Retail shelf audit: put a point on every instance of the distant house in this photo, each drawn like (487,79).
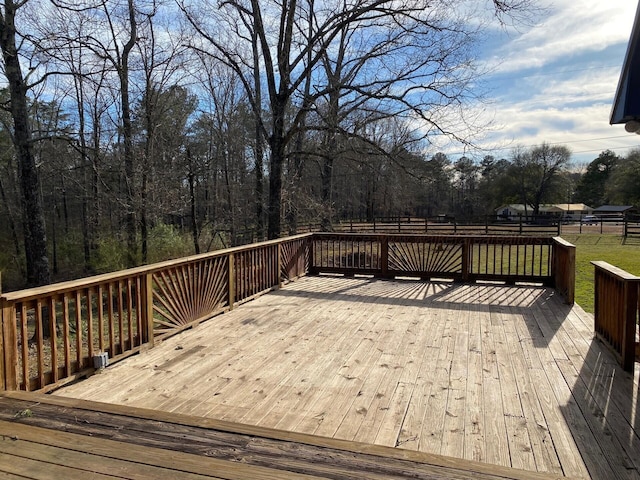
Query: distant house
(614,210)
(514,211)
(573,211)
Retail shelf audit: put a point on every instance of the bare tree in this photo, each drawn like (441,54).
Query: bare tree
(387,76)
(163,66)
(536,170)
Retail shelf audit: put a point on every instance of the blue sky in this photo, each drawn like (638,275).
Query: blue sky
(555,81)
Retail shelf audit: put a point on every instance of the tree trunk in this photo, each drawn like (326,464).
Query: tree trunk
(35,238)
(258,149)
(327,177)
(195,230)
(127,136)
(277,144)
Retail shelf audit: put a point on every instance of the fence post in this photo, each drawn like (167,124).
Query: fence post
(231,279)
(8,346)
(520,219)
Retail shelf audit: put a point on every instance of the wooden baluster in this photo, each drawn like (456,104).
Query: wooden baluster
(24,335)
(111,319)
(231,287)
(39,342)
(9,347)
(90,332)
(53,340)
(129,313)
(66,334)
(100,305)
(139,287)
(78,305)
(120,289)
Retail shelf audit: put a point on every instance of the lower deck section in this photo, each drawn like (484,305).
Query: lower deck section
(46,437)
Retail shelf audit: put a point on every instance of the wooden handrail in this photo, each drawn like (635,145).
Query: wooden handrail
(30,293)
(616,311)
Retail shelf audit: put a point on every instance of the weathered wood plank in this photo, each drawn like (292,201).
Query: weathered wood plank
(453,435)
(520,449)
(80,464)
(497,448)
(175,461)
(158,438)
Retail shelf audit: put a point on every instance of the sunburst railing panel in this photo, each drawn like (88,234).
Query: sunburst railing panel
(188,293)
(425,256)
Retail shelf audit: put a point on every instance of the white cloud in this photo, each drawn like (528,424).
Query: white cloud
(570,29)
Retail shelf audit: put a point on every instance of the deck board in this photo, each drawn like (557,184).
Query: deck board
(506,375)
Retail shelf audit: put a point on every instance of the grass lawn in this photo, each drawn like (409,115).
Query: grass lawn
(614,249)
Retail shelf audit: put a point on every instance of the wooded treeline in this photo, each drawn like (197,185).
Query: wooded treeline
(137,130)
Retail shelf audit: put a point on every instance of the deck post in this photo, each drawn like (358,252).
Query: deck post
(279,263)
(629,311)
(148,309)
(563,263)
(3,376)
(466,256)
(616,309)
(231,279)
(384,256)
(8,347)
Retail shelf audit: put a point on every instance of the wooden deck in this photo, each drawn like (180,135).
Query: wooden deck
(502,375)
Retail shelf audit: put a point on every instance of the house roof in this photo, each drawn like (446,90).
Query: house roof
(626,105)
(573,207)
(558,207)
(613,208)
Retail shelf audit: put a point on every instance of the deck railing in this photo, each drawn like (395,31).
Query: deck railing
(548,260)
(616,311)
(54,334)
(51,334)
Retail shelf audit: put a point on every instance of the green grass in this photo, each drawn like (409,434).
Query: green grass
(614,249)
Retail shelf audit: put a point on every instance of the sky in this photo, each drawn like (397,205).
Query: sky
(555,81)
